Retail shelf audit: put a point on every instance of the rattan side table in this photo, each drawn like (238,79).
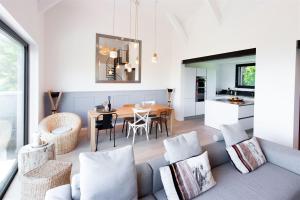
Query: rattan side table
(53,173)
(30,158)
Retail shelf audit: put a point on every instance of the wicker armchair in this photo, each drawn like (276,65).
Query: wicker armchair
(64,142)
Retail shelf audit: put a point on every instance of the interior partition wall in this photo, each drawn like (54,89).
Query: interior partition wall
(14,62)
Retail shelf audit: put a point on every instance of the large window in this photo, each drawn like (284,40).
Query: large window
(13,102)
(245,75)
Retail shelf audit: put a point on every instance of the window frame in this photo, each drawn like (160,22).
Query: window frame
(237,75)
(9,31)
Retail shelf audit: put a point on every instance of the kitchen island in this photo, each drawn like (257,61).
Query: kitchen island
(223,111)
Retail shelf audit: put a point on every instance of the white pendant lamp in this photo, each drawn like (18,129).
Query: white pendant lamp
(113,53)
(154,56)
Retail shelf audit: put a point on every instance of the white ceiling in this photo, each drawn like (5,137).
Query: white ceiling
(177,11)
(182,9)
(44,5)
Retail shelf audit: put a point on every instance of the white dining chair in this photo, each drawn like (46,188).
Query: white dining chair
(151,116)
(141,117)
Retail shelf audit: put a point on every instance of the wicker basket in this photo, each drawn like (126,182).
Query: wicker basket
(65,142)
(52,174)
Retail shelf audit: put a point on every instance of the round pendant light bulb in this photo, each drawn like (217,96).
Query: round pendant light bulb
(129,69)
(110,72)
(154,58)
(118,66)
(113,53)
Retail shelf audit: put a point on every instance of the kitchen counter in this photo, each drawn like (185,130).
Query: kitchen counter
(243,103)
(226,96)
(222,111)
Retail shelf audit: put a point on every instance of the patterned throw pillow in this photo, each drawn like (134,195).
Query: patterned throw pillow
(247,155)
(187,179)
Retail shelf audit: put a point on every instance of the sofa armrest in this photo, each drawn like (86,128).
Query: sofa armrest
(62,192)
(281,156)
(155,164)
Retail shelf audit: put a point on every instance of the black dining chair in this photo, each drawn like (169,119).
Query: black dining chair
(106,121)
(126,120)
(162,118)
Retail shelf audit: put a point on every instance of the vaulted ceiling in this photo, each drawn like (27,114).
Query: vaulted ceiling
(44,5)
(177,11)
(182,9)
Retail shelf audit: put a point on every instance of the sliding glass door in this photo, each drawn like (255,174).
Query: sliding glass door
(13,102)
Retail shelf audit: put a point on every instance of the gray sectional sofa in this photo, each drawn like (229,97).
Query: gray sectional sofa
(278,179)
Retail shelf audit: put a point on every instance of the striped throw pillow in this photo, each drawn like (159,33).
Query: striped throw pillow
(187,179)
(247,155)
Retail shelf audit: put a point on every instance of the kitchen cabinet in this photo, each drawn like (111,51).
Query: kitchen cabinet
(189,91)
(221,111)
(189,83)
(201,72)
(211,83)
(191,107)
(200,108)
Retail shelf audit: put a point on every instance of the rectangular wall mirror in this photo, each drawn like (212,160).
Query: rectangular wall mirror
(118,59)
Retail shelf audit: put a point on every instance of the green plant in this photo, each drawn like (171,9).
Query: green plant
(249,76)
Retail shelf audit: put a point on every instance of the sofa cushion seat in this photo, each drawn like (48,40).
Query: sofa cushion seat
(269,182)
(148,197)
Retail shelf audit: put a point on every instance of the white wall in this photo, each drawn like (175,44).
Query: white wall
(256,24)
(70,33)
(27,21)
(226,76)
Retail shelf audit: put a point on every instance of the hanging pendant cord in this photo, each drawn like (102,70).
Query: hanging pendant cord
(136,20)
(155,25)
(114,16)
(130,4)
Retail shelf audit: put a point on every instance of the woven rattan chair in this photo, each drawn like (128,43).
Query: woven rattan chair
(64,142)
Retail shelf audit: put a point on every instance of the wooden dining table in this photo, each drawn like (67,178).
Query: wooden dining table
(124,111)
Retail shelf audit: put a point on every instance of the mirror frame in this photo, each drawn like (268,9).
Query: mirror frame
(98,37)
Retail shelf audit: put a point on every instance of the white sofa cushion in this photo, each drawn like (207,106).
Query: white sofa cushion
(62,192)
(247,155)
(182,147)
(61,130)
(193,177)
(233,134)
(108,175)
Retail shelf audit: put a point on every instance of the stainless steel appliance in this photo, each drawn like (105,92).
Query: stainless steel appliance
(200,88)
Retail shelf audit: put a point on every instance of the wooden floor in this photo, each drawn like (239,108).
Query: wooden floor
(143,149)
